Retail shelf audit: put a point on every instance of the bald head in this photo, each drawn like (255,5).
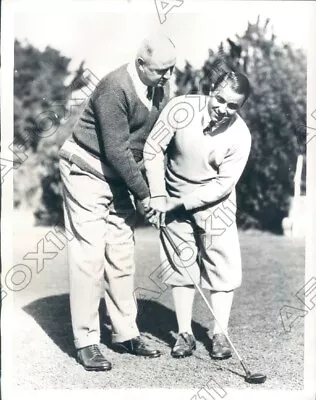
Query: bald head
(155,56)
(157,49)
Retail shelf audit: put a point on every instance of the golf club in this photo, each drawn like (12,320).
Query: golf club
(255,378)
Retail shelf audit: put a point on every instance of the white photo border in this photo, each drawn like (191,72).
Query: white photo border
(9,8)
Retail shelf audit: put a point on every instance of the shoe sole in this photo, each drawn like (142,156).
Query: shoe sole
(182,356)
(93,369)
(139,355)
(96,369)
(149,356)
(221,357)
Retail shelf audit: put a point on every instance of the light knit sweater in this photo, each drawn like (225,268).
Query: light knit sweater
(202,168)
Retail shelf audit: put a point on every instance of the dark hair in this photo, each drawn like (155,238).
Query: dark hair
(238,81)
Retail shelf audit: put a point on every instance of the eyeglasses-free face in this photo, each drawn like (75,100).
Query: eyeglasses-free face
(224,103)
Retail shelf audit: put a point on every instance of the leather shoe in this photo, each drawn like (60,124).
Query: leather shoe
(92,359)
(220,347)
(137,347)
(184,346)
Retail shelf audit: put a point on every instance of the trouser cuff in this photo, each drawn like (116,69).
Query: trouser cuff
(86,341)
(119,337)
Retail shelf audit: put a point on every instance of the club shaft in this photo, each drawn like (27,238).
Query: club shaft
(176,250)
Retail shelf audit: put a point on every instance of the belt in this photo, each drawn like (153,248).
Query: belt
(74,158)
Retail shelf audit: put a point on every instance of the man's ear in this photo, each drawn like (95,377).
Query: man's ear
(140,61)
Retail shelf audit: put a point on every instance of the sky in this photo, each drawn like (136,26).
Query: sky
(106,39)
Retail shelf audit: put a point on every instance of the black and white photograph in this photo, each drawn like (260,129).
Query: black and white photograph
(158,199)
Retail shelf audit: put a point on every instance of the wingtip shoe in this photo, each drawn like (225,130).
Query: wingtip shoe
(220,347)
(92,359)
(184,345)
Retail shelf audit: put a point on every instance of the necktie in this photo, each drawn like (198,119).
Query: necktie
(156,95)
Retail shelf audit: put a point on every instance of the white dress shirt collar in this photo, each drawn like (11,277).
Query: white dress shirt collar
(140,87)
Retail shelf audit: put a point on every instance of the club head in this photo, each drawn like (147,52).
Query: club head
(255,378)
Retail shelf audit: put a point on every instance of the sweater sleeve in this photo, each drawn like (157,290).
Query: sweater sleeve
(154,149)
(228,175)
(111,113)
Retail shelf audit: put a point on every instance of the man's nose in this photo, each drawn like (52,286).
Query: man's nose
(222,108)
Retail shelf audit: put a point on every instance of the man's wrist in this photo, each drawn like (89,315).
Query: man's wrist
(145,202)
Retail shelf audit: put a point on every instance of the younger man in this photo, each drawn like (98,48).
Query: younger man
(207,145)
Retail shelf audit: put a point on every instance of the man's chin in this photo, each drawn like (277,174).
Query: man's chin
(223,121)
(219,120)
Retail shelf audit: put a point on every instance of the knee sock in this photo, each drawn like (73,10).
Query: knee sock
(221,303)
(183,297)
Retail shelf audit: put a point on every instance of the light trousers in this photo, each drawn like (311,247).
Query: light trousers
(101,216)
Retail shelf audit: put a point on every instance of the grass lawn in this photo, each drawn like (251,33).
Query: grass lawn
(273,271)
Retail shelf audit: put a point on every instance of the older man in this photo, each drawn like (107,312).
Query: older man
(207,145)
(101,170)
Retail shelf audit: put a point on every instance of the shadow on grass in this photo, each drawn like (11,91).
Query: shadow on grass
(159,321)
(53,315)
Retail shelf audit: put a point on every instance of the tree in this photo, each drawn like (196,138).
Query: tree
(50,209)
(41,121)
(275,114)
(39,81)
